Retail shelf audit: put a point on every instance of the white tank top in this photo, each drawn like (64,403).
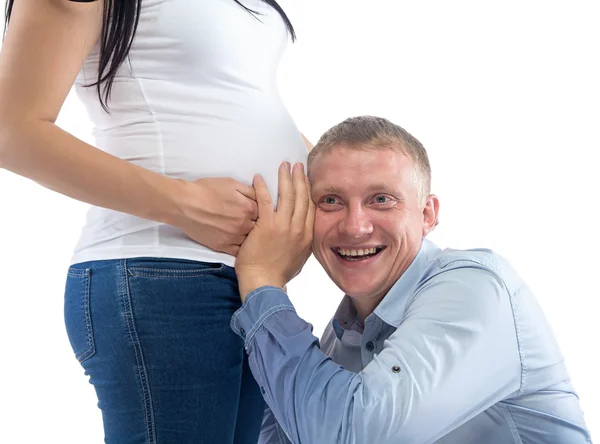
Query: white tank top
(197,98)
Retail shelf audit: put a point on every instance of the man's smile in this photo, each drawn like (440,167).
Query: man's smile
(358,253)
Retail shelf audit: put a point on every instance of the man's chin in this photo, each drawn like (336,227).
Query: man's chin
(357,289)
(349,281)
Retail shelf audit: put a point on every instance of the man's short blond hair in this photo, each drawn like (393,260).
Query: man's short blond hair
(368,133)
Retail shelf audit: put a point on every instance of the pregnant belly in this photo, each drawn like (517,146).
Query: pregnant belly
(237,148)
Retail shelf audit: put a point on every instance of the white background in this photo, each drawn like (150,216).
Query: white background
(504,95)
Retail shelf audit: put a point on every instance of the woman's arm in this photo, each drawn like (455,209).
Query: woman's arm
(309,145)
(46,44)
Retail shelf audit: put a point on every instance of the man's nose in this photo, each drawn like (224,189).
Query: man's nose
(356,222)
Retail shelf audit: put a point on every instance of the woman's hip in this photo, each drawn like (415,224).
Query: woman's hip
(153,335)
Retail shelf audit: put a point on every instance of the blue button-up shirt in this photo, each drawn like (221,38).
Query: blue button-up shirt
(458,352)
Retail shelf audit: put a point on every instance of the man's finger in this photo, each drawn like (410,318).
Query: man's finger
(263,198)
(302,197)
(286,195)
(310,216)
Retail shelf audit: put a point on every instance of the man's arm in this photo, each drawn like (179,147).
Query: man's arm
(271,432)
(454,355)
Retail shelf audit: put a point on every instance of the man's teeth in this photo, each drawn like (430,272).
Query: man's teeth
(358,252)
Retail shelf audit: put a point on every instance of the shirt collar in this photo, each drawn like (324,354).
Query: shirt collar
(345,318)
(391,309)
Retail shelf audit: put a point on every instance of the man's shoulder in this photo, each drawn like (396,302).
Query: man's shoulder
(476,259)
(482,256)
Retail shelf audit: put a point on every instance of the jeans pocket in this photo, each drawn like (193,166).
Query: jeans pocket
(78,318)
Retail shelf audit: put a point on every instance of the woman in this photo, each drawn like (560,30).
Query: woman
(185,108)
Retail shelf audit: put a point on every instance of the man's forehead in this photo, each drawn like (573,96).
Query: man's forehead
(366,171)
(347,160)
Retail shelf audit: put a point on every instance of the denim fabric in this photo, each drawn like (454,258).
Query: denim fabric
(153,336)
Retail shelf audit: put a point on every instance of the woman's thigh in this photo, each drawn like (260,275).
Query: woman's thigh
(154,337)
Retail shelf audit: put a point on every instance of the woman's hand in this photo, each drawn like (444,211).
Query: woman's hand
(279,244)
(217,212)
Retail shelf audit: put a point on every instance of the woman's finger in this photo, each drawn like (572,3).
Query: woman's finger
(246,227)
(233,250)
(245,190)
(287,197)
(237,240)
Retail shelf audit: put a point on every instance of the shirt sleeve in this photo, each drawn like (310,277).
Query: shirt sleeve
(454,355)
(271,432)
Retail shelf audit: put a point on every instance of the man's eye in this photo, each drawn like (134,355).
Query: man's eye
(381,199)
(329,200)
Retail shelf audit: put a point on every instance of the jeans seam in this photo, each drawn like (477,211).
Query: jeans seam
(76,272)
(134,269)
(137,349)
(90,349)
(83,299)
(167,276)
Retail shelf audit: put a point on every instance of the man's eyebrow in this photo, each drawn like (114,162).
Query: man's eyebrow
(326,189)
(381,187)
(378,187)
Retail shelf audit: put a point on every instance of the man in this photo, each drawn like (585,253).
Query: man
(428,345)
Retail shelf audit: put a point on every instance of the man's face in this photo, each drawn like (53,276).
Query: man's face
(369,223)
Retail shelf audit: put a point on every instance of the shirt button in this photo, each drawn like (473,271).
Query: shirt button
(262,390)
(370,346)
(396,369)
(243,332)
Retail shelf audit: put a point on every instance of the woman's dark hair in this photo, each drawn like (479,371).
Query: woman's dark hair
(119,25)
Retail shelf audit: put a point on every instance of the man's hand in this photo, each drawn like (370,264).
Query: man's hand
(279,244)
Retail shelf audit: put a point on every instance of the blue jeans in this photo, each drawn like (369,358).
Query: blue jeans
(153,335)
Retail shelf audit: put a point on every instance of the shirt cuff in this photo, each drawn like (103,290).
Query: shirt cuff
(258,306)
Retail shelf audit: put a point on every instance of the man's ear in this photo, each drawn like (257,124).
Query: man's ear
(431,211)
